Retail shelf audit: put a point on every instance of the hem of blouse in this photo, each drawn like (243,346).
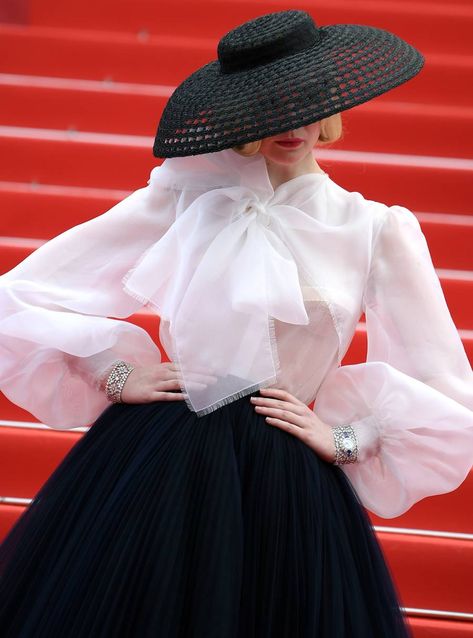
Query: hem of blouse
(233,397)
(245,391)
(140,298)
(230,398)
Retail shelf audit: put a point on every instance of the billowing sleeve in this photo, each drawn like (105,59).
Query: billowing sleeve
(62,310)
(411,402)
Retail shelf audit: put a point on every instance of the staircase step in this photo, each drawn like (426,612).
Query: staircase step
(457,285)
(438,628)
(150,322)
(94,160)
(43,211)
(135,110)
(440,513)
(147,320)
(445,27)
(450,238)
(30,452)
(69,53)
(57,208)
(28,456)
(430,573)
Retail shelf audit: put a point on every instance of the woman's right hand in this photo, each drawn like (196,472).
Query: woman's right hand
(158,382)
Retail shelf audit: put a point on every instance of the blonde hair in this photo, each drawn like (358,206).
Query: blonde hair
(331,130)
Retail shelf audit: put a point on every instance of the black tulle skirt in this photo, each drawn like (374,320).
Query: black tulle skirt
(161,524)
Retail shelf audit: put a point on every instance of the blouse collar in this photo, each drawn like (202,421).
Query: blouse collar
(228,168)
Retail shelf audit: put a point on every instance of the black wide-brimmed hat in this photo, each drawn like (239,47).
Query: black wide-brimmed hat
(276,73)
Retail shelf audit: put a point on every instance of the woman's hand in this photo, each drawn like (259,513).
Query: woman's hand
(285,411)
(159,382)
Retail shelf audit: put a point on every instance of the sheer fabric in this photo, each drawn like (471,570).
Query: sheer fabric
(58,330)
(416,390)
(256,286)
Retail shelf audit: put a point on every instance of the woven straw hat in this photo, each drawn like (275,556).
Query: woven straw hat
(276,73)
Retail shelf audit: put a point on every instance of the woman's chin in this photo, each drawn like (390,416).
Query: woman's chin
(286,157)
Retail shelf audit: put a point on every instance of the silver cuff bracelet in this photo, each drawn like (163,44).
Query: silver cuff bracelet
(346,444)
(116,380)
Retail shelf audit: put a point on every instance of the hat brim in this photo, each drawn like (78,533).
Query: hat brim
(351,64)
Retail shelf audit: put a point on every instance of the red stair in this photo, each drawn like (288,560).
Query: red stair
(99,75)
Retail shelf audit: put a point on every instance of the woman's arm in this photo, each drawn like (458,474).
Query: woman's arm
(62,311)
(411,403)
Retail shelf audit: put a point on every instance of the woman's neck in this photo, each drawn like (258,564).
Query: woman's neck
(280,173)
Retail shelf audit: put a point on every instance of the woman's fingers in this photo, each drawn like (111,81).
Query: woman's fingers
(283,414)
(169,384)
(174,384)
(279,408)
(199,377)
(282,409)
(283,395)
(168,396)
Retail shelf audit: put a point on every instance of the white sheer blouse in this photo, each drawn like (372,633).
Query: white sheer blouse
(256,286)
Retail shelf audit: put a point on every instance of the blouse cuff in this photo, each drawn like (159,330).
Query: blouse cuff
(94,369)
(368,436)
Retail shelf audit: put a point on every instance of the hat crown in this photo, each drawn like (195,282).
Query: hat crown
(266,39)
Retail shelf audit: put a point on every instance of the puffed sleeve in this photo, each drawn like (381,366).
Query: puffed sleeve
(61,311)
(411,403)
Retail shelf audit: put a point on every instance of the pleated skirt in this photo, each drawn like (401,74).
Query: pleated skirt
(162,524)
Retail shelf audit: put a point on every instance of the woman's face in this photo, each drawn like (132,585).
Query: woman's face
(290,147)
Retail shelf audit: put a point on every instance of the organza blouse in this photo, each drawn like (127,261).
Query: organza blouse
(255,286)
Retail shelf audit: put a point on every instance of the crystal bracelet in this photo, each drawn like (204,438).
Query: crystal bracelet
(346,444)
(116,380)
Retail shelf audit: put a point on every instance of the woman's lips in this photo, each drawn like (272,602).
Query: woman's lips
(295,143)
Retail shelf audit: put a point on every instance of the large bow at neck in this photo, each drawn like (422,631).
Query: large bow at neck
(220,275)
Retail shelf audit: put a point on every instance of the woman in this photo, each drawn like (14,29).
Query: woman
(209,499)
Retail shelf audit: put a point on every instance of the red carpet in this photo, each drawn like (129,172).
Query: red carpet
(82,88)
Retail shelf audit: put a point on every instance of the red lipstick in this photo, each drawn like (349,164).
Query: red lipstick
(290,142)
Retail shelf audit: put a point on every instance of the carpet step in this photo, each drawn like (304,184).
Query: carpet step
(376,126)
(429,573)
(57,208)
(445,27)
(29,454)
(457,285)
(438,628)
(71,53)
(92,160)
(147,320)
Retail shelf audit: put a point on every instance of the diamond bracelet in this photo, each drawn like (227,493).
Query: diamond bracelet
(116,380)
(346,444)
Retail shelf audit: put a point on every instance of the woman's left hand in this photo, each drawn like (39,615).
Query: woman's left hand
(285,411)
